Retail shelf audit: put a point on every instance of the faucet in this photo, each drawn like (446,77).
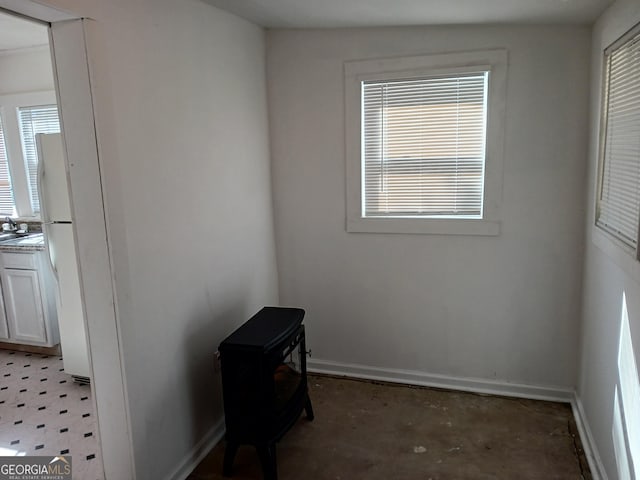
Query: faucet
(13,225)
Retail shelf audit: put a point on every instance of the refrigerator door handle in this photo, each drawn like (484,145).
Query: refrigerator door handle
(40,183)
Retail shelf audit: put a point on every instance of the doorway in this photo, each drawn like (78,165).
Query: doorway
(72,39)
(47,407)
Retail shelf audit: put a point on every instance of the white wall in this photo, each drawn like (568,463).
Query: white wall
(494,308)
(608,274)
(191,196)
(182,127)
(26,70)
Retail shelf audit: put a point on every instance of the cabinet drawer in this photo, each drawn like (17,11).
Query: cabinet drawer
(25,261)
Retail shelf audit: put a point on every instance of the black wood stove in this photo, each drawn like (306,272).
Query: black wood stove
(264,382)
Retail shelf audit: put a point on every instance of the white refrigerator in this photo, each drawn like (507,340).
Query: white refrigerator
(55,210)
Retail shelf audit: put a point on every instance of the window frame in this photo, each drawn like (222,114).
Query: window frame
(606,240)
(355,72)
(9,105)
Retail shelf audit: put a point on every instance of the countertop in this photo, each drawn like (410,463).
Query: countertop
(30,243)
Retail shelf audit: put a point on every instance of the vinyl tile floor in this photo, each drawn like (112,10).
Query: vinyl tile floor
(44,412)
(375,431)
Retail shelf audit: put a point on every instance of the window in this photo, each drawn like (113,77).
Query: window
(35,120)
(6,194)
(618,206)
(424,146)
(424,143)
(22,116)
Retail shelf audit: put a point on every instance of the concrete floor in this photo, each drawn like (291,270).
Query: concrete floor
(366,430)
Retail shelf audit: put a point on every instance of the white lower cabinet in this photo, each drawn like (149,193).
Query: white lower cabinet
(25,315)
(29,303)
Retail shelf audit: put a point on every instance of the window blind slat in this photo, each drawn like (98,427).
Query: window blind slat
(423,146)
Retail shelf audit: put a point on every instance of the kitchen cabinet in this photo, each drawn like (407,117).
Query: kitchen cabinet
(28,297)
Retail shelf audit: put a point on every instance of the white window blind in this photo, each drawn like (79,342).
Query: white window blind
(34,120)
(619,201)
(6,194)
(423,146)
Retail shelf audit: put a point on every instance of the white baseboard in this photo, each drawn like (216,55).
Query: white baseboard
(414,377)
(588,443)
(199,451)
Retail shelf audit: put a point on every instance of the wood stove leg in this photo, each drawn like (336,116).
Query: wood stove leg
(309,409)
(229,454)
(267,454)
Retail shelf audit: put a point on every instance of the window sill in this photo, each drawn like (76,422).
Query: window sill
(424,226)
(622,255)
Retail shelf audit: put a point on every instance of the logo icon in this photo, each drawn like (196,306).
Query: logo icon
(35,468)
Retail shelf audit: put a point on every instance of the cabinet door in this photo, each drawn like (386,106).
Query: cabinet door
(23,303)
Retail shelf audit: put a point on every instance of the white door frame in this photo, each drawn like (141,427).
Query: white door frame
(71,38)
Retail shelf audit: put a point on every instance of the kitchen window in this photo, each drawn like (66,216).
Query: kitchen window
(618,199)
(7,205)
(424,143)
(22,116)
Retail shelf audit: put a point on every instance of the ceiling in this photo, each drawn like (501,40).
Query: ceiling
(17,33)
(369,13)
